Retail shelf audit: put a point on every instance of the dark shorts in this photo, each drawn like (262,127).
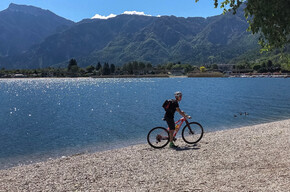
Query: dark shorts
(170,123)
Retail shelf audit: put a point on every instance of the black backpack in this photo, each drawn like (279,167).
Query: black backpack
(166,104)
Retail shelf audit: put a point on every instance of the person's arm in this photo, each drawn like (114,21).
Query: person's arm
(182,113)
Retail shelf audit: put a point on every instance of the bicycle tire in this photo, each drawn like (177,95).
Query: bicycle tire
(192,132)
(158,137)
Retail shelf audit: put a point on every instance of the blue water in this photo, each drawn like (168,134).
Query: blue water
(43,118)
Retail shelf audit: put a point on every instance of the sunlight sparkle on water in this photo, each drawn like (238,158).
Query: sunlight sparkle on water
(52,116)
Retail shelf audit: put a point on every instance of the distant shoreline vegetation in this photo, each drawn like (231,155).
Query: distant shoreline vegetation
(137,69)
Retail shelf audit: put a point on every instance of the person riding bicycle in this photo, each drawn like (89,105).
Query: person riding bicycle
(169,116)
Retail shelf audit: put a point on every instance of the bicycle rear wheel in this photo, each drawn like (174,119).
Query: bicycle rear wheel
(158,137)
(192,133)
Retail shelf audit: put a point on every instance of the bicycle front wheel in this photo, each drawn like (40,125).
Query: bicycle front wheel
(158,137)
(192,133)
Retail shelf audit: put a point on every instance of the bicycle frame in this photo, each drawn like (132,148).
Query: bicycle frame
(192,132)
(178,124)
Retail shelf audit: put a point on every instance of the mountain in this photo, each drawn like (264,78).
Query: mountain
(22,26)
(158,40)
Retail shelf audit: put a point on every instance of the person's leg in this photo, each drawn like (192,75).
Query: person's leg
(171,132)
(171,125)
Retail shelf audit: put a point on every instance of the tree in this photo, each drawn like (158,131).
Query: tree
(112,68)
(187,68)
(285,64)
(73,66)
(241,66)
(269,64)
(211,59)
(262,70)
(257,67)
(148,66)
(90,69)
(99,66)
(176,66)
(169,66)
(202,69)
(135,65)
(214,67)
(268,18)
(141,66)
(130,68)
(106,69)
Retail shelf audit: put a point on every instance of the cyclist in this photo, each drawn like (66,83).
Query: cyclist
(169,116)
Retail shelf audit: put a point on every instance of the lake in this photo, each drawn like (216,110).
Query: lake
(47,118)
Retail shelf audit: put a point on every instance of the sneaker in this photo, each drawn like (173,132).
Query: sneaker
(171,145)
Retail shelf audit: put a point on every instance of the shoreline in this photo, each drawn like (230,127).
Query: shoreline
(190,75)
(67,152)
(251,158)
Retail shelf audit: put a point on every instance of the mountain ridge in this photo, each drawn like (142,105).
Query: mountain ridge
(126,38)
(22,26)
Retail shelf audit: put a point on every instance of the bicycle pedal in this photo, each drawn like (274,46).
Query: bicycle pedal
(174,138)
(158,138)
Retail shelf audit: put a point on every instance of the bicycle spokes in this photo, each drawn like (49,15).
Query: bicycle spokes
(158,137)
(192,133)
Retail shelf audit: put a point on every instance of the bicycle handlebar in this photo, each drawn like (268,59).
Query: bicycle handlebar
(187,117)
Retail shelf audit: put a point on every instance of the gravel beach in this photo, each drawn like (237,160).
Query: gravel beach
(254,158)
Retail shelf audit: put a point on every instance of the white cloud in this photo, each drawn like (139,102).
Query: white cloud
(135,13)
(97,16)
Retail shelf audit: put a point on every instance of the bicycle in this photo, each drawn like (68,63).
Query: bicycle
(192,132)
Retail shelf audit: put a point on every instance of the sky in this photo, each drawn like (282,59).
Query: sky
(76,10)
